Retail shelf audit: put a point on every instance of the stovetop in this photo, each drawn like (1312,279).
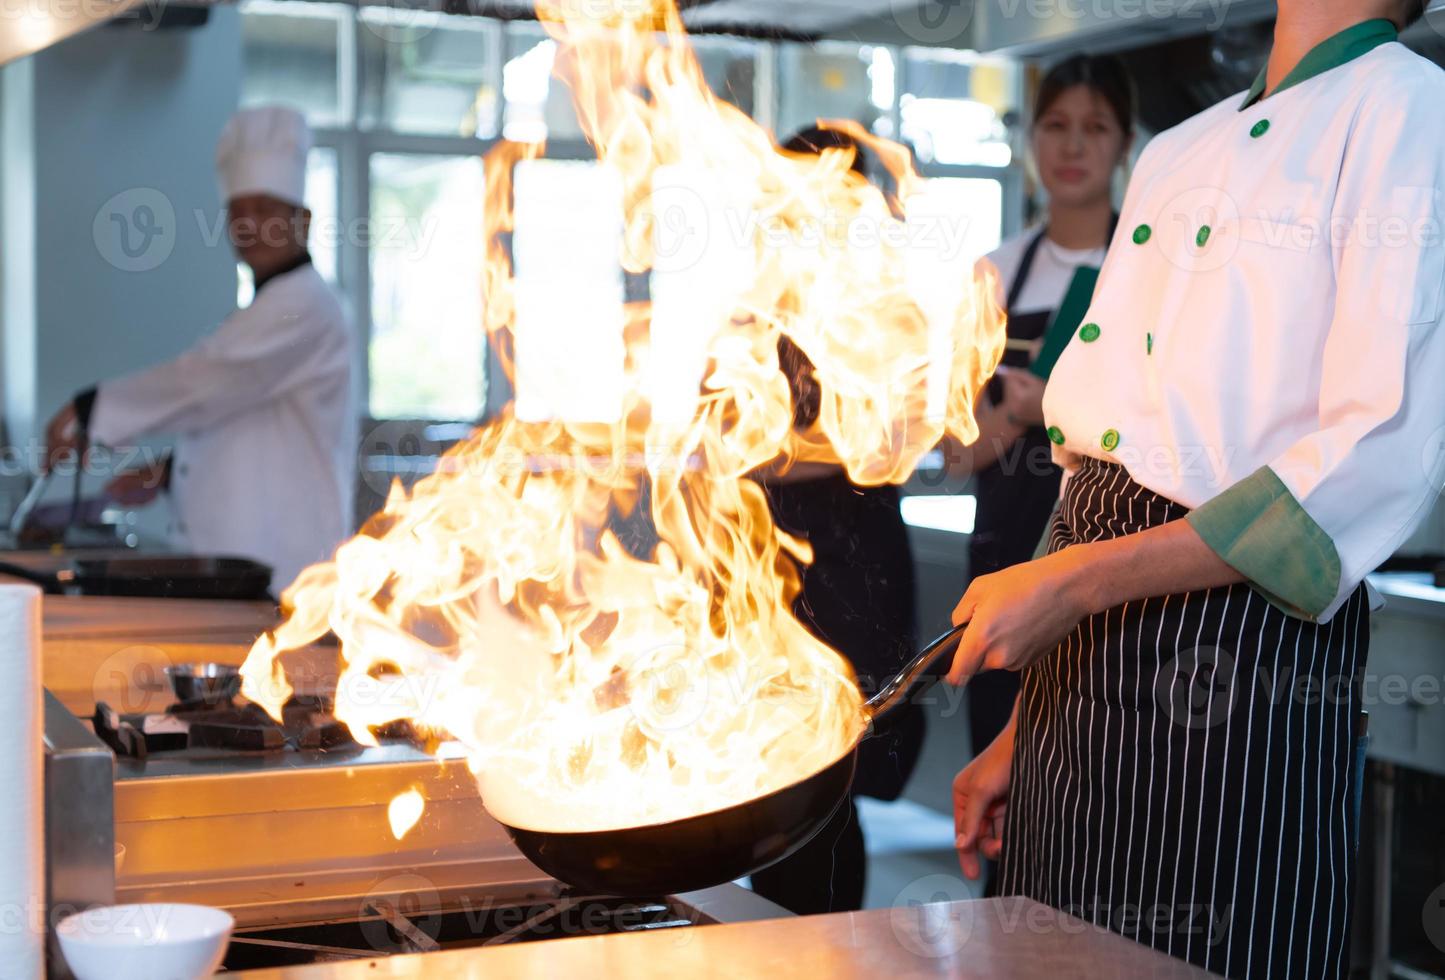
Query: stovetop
(211,738)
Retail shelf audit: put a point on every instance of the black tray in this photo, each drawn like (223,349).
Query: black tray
(172,577)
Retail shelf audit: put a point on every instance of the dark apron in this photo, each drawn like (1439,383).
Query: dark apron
(1184,766)
(858,597)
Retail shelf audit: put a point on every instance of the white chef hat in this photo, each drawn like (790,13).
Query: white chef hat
(263,151)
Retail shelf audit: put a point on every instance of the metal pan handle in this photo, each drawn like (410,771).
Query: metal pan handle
(897,688)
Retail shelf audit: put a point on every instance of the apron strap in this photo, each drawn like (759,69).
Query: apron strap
(1026,263)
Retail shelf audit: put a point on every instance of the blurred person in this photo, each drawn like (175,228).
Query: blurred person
(263,408)
(858,597)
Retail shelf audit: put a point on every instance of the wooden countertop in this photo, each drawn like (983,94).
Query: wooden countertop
(1010,937)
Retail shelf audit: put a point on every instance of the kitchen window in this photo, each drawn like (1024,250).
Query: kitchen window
(953,107)
(404,104)
(427,354)
(427,73)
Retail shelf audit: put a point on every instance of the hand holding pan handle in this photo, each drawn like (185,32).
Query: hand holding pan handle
(893,693)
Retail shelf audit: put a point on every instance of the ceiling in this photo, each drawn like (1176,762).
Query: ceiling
(1043,29)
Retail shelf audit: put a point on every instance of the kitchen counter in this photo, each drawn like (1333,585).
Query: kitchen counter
(1010,937)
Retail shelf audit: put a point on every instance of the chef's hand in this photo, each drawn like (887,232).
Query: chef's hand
(1023,396)
(134,488)
(980,799)
(1019,614)
(62,436)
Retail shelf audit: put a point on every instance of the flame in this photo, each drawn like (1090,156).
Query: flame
(404,811)
(594,682)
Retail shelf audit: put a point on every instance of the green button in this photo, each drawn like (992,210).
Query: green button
(1141,234)
(1202,236)
(1148,343)
(1259,128)
(1110,440)
(1089,333)
(1056,436)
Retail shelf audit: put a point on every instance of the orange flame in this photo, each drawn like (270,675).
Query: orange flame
(595,685)
(404,810)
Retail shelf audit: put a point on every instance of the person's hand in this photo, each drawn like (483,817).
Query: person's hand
(1021,613)
(134,488)
(1023,396)
(980,799)
(62,436)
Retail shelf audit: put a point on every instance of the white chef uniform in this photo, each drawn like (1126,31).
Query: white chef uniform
(1264,344)
(263,408)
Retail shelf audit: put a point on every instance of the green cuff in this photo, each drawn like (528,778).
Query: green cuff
(1259,528)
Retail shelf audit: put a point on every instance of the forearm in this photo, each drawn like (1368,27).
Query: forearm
(1163,560)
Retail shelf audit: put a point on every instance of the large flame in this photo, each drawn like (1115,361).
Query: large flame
(595,684)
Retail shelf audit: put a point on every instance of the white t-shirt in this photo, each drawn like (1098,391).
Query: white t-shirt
(1052,271)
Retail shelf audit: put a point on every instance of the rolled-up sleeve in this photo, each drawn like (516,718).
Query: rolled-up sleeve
(1306,528)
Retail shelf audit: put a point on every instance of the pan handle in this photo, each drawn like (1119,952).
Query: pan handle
(892,693)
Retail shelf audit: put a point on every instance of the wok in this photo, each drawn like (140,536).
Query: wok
(721,845)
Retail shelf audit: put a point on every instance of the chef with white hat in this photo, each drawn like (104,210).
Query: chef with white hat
(262,409)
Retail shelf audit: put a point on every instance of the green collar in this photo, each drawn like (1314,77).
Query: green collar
(1332,52)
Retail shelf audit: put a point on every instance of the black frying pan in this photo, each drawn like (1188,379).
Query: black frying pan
(722,845)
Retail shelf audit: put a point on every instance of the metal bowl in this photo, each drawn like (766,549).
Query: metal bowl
(211,683)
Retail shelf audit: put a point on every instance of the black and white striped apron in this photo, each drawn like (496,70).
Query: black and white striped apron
(1184,766)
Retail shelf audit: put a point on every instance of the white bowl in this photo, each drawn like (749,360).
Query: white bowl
(145,942)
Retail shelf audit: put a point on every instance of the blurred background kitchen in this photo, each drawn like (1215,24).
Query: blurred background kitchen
(113,257)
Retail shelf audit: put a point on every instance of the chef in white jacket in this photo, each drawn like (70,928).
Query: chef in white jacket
(262,409)
(1251,418)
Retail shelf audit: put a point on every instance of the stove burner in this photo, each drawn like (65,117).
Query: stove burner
(307,725)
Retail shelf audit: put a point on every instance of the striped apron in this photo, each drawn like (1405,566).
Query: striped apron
(1184,765)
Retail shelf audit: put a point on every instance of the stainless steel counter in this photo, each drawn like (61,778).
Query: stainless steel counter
(986,938)
(1410,592)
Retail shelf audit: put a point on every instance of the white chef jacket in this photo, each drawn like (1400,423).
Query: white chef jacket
(1267,345)
(264,414)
